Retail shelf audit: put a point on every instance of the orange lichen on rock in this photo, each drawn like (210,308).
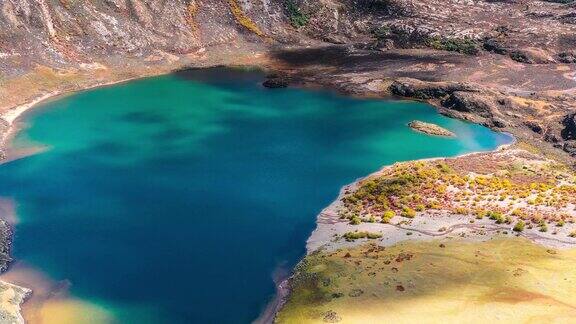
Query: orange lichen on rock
(191,14)
(243,19)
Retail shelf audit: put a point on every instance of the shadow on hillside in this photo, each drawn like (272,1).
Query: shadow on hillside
(393,63)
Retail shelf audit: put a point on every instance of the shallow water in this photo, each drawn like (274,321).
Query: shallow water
(173,199)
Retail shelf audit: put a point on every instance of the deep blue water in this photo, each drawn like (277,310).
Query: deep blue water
(173,199)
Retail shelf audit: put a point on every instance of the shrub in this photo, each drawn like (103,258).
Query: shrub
(387,216)
(543,227)
(352,236)
(373,236)
(297,17)
(433,205)
(461,211)
(408,212)
(497,216)
(444,168)
(480,214)
(461,45)
(382,32)
(519,227)
(355,220)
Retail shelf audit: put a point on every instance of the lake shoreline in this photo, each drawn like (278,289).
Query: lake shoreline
(14,114)
(441,226)
(323,235)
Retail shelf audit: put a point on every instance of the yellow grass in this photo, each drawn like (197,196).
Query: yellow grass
(499,281)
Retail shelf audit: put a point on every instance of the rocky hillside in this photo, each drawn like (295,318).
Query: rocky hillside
(62,33)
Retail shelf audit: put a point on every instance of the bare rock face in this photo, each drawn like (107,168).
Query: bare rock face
(535,126)
(5,243)
(570,148)
(65,33)
(569,130)
(469,102)
(567,57)
(414,88)
(69,32)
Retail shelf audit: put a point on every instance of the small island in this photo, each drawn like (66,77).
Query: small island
(430,129)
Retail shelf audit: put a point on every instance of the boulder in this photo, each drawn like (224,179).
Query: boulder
(569,130)
(534,126)
(469,102)
(569,147)
(275,83)
(494,45)
(567,57)
(414,88)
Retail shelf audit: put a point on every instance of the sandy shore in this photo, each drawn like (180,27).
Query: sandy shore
(47,301)
(281,279)
(11,298)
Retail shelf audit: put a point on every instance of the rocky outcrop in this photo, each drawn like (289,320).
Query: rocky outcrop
(275,81)
(569,130)
(70,33)
(468,102)
(414,88)
(11,298)
(460,100)
(535,126)
(567,57)
(568,134)
(5,243)
(430,129)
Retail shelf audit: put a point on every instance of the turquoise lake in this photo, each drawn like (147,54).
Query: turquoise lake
(174,199)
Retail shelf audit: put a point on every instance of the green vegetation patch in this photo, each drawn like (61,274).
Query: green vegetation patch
(352,236)
(297,17)
(460,45)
